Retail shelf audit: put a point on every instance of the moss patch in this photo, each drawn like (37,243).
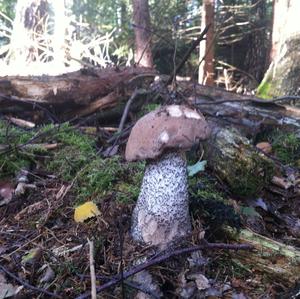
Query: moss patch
(74,160)
(102,177)
(263,90)
(13,159)
(286,147)
(250,175)
(210,204)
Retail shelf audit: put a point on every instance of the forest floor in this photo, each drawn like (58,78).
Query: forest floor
(49,171)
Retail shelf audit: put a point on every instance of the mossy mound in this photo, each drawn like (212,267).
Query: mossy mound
(75,160)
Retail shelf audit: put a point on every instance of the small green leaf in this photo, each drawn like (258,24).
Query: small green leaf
(199,166)
(31,257)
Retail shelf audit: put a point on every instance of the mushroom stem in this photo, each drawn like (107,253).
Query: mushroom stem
(161,214)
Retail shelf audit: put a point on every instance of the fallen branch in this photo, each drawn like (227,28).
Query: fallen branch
(118,278)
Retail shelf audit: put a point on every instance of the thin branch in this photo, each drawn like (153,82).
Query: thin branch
(254,100)
(115,280)
(126,110)
(187,55)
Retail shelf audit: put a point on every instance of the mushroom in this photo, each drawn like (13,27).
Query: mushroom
(161,214)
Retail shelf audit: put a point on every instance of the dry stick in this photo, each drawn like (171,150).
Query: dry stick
(126,111)
(254,100)
(165,257)
(27,285)
(118,134)
(187,55)
(92,269)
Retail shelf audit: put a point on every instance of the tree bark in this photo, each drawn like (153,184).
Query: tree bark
(142,31)
(206,52)
(257,60)
(283,75)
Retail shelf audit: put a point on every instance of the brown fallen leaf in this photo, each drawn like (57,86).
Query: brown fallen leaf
(265,147)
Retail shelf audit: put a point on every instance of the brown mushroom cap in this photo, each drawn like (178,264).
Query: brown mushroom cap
(169,127)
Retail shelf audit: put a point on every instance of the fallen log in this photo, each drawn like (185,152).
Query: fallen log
(272,258)
(233,158)
(80,87)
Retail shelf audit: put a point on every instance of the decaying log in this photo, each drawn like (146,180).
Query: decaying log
(237,162)
(275,259)
(80,87)
(109,100)
(249,114)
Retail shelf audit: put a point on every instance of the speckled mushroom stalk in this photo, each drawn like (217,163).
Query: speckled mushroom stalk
(161,213)
(161,137)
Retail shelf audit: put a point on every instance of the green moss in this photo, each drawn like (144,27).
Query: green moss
(13,159)
(250,175)
(75,158)
(263,90)
(286,147)
(202,187)
(147,108)
(211,205)
(110,176)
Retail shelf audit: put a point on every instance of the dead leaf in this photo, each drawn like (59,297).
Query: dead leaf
(265,147)
(7,289)
(202,282)
(6,192)
(48,276)
(86,211)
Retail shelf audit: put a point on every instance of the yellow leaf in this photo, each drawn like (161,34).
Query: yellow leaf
(85,211)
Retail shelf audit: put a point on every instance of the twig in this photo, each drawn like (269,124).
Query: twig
(92,269)
(115,280)
(27,285)
(126,110)
(254,100)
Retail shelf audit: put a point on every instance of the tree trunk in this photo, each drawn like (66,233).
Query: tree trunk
(256,60)
(283,75)
(142,31)
(206,68)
